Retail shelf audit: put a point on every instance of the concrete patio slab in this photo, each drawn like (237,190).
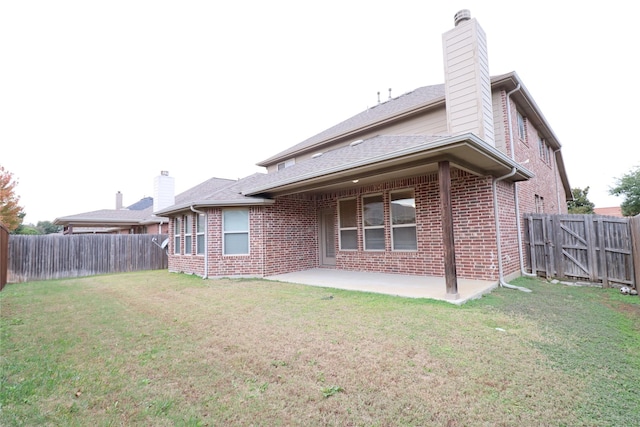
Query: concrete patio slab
(391,284)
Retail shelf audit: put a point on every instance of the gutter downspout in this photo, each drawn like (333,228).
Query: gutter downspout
(516,199)
(556,173)
(501,280)
(206,235)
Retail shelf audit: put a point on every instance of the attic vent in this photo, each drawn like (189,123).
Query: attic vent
(315,156)
(461,16)
(356,142)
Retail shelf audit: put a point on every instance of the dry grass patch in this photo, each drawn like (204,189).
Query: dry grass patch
(156,348)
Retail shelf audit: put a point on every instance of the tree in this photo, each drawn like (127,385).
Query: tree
(580,203)
(9,209)
(628,186)
(47,227)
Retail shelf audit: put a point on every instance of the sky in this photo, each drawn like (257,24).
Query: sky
(98,97)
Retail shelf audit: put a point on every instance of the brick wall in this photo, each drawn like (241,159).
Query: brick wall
(291,235)
(547,183)
(474,228)
(284,236)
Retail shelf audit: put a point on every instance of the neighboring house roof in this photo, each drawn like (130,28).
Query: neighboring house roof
(141,212)
(610,211)
(141,204)
(111,217)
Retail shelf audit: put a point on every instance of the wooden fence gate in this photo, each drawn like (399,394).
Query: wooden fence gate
(591,248)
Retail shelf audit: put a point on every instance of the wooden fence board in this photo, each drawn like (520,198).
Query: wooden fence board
(55,256)
(4,255)
(585,247)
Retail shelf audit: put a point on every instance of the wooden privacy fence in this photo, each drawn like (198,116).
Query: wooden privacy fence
(591,248)
(4,255)
(55,256)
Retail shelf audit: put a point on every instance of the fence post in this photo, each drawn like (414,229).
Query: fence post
(602,246)
(634,224)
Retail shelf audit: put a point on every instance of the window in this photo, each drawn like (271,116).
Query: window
(539,204)
(200,225)
(286,164)
(235,229)
(542,148)
(177,228)
(373,222)
(521,129)
(188,234)
(348,224)
(403,221)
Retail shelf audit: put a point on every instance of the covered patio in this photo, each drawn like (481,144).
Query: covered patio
(390,284)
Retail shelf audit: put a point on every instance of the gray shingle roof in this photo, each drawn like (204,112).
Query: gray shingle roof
(141,204)
(393,107)
(341,158)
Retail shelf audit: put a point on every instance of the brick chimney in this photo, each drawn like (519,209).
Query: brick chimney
(467,79)
(118,200)
(163,191)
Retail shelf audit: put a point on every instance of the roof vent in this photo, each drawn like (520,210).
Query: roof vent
(461,16)
(315,156)
(356,142)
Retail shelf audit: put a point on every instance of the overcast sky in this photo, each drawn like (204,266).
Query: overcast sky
(100,96)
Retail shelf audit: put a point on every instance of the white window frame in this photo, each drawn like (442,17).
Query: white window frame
(177,241)
(201,226)
(225,233)
(373,227)
(188,234)
(408,225)
(341,228)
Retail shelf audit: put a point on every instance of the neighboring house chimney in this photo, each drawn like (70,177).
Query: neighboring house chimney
(118,200)
(163,191)
(467,79)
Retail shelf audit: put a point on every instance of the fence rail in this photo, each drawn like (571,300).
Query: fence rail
(55,256)
(592,248)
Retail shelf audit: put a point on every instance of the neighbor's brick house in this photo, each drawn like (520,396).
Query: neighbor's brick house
(411,186)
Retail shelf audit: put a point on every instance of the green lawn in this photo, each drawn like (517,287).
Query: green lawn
(156,349)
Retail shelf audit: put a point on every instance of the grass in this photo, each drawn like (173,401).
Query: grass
(162,349)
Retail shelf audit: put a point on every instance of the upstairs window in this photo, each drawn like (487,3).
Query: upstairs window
(200,225)
(348,224)
(373,222)
(522,133)
(188,234)
(235,226)
(539,204)
(544,150)
(403,221)
(177,228)
(286,164)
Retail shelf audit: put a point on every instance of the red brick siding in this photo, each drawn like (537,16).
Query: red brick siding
(219,264)
(546,173)
(291,235)
(284,236)
(474,229)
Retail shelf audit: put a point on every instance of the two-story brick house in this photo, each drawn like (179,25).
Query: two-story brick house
(432,182)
